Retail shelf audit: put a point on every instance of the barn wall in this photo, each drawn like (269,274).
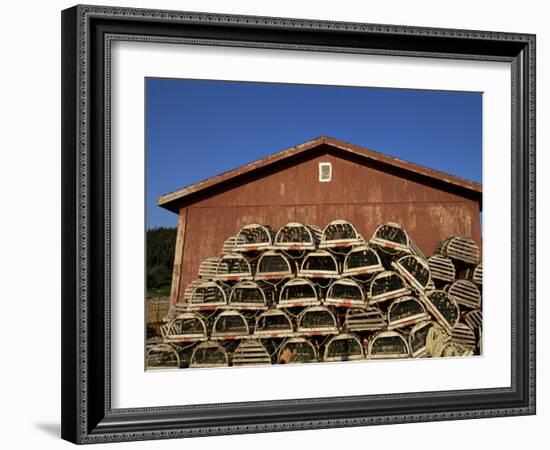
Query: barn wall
(357,193)
(352,182)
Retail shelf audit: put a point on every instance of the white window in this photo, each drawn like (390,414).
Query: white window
(325,172)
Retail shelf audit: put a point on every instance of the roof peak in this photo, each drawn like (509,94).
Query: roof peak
(175,200)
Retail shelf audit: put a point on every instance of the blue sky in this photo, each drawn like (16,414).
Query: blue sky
(196,129)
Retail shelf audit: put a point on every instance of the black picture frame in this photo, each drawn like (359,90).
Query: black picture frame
(87,416)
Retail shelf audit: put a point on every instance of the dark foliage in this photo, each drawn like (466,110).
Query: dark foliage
(161,243)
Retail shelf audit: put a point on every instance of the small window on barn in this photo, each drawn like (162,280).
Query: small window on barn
(325,172)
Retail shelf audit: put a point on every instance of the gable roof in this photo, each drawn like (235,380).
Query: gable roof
(209,187)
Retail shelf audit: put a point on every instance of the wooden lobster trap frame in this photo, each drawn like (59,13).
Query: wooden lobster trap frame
(250,353)
(442,268)
(209,268)
(298,292)
(253,238)
(247,295)
(230,325)
(297,236)
(460,248)
(415,270)
(162,357)
(186,327)
(361,319)
(474,319)
(362,262)
(320,264)
(391,238)
(297,350)
(443,307)
(343,347)
(233,267)
(340,234)
(188,293)
(229,245)
(273,323)
(463,335)
(406,311)
(477,276)
(431,286)
(207,295)
(345,293)
(273,266)
(387,285)
(388,345)
(317,321)
(474,274)
(208,354)
(465,293)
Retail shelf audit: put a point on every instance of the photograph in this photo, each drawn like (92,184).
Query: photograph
(274,222)
(301,223)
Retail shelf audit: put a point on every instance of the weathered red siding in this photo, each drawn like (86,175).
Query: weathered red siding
(361,194)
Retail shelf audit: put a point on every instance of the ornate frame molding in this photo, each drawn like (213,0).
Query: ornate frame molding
(85,30)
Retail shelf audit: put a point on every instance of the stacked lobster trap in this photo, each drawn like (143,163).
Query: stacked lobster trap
(303,294)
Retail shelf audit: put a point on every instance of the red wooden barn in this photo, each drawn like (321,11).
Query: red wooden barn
(361,186)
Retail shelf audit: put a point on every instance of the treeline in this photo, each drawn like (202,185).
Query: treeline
(161,243)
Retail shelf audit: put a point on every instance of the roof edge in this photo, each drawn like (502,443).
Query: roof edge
(172,200)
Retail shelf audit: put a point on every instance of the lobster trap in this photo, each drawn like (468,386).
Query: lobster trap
(388,345)
(386,286)
(209,354)
(442,268)
(477,277)
(229,245)
(298,292)
(230,325)
(465,293)
(360,319)
(460,248)
(247,295)
(406,311)
(474,319)
(188,293)
(415,270)
(208,295)
(463,335)
(209,268)
(391,238)
(475,274)
(362,262)
(345,293)
(340,235)
(297,350)
(343,347)
(319,264)
(443,307)
(161,357)
(250,353)
(186,327)
(233,267)
(297,237)
(273,266)
(253,238)
(317,320)
(273,323)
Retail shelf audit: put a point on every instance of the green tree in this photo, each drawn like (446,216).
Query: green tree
(161,243)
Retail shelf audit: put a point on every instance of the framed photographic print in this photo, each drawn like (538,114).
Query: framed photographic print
(260,214)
